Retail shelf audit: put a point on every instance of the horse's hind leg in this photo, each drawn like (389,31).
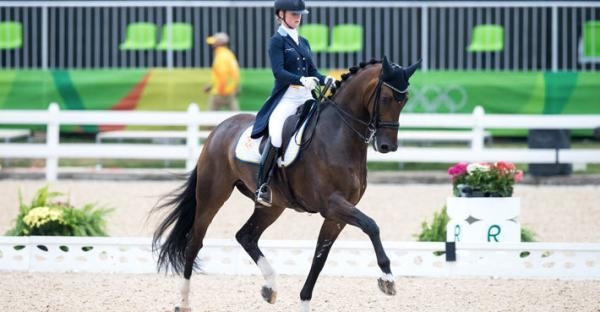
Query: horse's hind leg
(211,194)
(248,237)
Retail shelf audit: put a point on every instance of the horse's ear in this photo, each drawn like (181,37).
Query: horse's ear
(387,67)
(410,70)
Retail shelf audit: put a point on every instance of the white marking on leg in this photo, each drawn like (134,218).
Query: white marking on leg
(388,277)
(267,272)
(185,294)
(305,306)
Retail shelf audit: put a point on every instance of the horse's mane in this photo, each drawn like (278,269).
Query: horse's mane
(351,71)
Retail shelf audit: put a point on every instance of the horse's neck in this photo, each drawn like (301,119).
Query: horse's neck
(352,105)
(341,130)
(339,137)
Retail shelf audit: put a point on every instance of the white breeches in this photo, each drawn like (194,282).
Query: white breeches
(293,97)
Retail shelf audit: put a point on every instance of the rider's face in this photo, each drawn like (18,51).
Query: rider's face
(292,19)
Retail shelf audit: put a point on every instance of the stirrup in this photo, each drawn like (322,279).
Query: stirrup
(263,195)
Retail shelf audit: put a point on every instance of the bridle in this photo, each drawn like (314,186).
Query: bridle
(374,122)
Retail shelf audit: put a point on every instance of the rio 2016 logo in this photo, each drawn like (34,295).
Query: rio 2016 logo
(437,99)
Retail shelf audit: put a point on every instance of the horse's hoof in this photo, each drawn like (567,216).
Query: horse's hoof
(268,294)
(178,309)
(386,286)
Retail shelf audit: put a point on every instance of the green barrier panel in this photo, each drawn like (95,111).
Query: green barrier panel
(256,86)
(430,92)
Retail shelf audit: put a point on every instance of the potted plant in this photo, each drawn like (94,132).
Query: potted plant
(46,216)
(483,209)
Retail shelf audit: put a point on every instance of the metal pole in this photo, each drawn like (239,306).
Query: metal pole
(424,37)
(45,28)
(554,38)
(169,37)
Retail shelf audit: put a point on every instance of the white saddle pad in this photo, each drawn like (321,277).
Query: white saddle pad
(247,148)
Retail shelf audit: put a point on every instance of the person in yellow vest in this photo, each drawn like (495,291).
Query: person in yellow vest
(225,75)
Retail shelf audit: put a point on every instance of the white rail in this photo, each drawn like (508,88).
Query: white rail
(477,123)
(347,258)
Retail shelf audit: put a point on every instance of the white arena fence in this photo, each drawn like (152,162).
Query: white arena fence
(477,123)
(347,258)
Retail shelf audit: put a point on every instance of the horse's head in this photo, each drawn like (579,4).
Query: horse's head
(376,93)
(391,94)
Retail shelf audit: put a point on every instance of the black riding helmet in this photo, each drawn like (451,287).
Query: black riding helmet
(290,5)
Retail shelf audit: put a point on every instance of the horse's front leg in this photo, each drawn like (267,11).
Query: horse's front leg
(329,233)
(339,209)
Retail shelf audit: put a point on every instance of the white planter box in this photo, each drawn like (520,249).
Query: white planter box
(483,219)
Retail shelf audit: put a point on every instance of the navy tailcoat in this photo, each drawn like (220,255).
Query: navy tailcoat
(289,62)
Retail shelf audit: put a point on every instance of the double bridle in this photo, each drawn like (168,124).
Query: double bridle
(374,122)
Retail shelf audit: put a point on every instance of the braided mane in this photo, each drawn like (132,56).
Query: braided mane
(351,71)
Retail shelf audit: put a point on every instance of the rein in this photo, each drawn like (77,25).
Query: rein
(315,109)
(374,123)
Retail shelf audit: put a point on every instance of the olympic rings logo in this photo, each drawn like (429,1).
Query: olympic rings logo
(436,99)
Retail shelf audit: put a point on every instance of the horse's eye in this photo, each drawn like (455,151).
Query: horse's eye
(399,96)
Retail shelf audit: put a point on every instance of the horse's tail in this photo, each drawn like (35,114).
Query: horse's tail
(171,251)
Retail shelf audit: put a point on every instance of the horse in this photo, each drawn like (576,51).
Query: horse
(364,109)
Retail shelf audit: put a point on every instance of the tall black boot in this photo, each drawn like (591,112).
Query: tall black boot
(267,160)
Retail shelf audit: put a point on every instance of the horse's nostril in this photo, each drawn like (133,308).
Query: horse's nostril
(384,147)
(394,148)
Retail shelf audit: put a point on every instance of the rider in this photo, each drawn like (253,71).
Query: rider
(295,77)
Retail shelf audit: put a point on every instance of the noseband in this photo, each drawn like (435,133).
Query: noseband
(374,122)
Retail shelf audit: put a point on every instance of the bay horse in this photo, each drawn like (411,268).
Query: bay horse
(329,177)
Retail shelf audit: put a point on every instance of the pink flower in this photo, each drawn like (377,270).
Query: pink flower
(505,166)
(519,176)
(458,169)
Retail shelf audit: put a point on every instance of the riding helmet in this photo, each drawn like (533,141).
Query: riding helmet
(290,5)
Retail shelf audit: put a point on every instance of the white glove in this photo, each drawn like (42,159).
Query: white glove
(309,83)
(328,79)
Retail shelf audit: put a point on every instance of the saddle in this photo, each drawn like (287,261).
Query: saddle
(297,134)
(292,125)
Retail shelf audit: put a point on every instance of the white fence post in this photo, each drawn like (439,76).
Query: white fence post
(192,136)
(478,131)
(52,139)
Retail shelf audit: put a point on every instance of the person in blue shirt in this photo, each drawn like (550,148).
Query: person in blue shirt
(295,77)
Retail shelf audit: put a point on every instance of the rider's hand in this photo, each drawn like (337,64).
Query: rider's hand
(332,80)
(328,79)
(309,82)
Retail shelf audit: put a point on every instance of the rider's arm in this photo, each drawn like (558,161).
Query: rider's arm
(276,55)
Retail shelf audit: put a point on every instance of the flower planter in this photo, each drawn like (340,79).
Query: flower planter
(483,219)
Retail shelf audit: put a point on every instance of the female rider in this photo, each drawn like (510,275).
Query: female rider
(295,77)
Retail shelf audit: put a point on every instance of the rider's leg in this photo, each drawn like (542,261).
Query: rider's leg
(267,160)
(286,107)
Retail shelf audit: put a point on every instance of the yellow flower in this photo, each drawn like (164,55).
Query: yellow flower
(42,215)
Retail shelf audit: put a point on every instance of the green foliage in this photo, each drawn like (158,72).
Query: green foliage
(527,234)
(48,216)
(436,232)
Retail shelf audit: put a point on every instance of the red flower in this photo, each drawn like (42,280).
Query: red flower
(505,166)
